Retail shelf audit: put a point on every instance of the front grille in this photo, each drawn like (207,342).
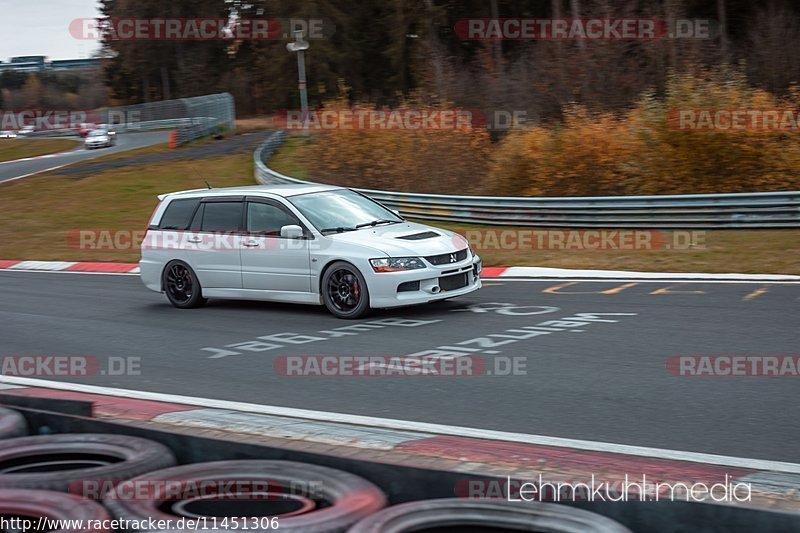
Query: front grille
(450,283)
(446,259)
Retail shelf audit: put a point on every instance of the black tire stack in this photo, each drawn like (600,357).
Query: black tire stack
(89,477)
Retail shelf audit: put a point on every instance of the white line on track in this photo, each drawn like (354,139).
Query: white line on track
(44,156)
(421,427)
(37,172)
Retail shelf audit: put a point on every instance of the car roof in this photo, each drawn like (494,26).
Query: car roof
(284,190)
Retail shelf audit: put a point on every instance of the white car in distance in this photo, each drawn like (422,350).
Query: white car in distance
(312,244)
(99,139)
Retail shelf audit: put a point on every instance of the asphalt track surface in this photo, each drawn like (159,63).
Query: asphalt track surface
(606,381)
(10,170)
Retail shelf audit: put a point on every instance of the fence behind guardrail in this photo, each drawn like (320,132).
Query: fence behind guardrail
(192,117)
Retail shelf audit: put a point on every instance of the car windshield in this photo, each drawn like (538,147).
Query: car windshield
(97,133)
(342,210)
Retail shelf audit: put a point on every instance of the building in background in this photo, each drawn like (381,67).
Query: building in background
(43,64)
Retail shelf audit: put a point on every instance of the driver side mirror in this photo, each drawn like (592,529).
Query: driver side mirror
(397,212)
(292,232)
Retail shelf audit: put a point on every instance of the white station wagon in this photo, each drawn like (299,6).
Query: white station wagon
(312,244)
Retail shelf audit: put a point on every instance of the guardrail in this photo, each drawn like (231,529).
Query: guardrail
(707,211)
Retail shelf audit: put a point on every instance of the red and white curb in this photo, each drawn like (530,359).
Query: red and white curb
(71,266)
(483,453)
(488,272)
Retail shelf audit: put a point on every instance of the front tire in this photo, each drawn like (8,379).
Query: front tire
(182,286)
(344,291)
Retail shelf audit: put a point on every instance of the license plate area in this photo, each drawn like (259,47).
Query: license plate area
(450,283)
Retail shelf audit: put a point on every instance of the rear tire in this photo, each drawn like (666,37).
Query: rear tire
(181,286)
(344,291)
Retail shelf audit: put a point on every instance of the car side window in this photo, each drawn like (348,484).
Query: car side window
(222,216)
(178,213)
(197,221)
(268,219)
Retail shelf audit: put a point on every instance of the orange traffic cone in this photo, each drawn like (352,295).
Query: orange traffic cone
(173,139)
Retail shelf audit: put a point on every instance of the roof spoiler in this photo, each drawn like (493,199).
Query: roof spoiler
(162,196)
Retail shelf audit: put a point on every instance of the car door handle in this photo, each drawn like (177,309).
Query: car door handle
(250,244)
(194,240)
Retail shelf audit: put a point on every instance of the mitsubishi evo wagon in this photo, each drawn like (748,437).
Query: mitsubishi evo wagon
(311,244)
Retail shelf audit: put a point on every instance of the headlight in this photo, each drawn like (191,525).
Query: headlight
(396,264)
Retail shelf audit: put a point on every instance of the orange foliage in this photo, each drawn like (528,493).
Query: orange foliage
(627,153)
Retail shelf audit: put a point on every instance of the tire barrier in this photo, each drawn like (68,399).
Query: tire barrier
(268,495)
(494,515)
(39,504)
(303,497)
(82,463)
(12,424)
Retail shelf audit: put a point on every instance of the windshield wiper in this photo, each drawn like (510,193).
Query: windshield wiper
(376,222)
(340,229)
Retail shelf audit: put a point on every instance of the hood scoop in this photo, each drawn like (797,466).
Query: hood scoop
(420,236)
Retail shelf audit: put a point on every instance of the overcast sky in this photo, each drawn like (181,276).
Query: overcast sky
(41,27)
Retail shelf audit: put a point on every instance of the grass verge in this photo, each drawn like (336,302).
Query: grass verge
(44,227)
(11,149)
(291,159)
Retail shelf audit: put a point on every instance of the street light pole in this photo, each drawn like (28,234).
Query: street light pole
(300,46)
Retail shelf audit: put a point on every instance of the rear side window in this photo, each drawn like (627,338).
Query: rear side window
(178,213)
(222,216)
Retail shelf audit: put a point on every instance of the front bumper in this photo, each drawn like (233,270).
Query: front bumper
(99,144)
(396,289)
